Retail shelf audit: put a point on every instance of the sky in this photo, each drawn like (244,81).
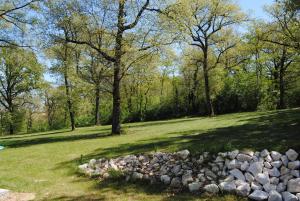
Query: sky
(255,7)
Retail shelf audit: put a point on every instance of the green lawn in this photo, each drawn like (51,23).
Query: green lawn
(45,163)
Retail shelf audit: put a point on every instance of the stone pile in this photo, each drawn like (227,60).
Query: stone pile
(259,175)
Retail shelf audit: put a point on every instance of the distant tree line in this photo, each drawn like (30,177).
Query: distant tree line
(73,63)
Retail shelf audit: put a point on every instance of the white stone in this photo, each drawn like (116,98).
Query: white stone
(298,196)
(284,160)
(276,164)
(259,195)
(292,154)
(243,190)
(264,153)
(284,170)
(195,186)
(249,177)
(275,155)
(262,178)
(227,186)
(281,187)
(237,174)
(274,196)
(244,166)
(255,168)
(233,164)
(287,196)
(211,188)
(187,178)
(274,180)
(268,158)
(274,172)
(137,176)
(243,157)
(183,154)
(267,165)
(233,154)
(294,165)
(165,179)
(3,193)
(295,173)
(256,186)
(294,185)
(269,187)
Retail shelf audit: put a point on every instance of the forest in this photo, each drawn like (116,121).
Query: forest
(76,63)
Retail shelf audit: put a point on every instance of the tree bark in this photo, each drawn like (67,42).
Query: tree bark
(69,101)
(281,90)
(209,105)
(97,107)
(116,115)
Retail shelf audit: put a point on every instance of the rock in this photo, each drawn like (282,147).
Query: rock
(176,169)
(3,193)
(292,154)
(83,167)
(176,182)
(137,176)
(287,196)
(256,186)
(274,196)
(274,180)
(233,164)
(249,177)
(195,186)
(244,166)
(275,155)
(211,188)
(243,157)
(298,196)
(268,158)
(210,174)
(227,186)
(295,173)
(284,170)
(165,179)
(243,190)
(284,160)
(276,164)
(269,187)
(183,154)
(187,178)
(294,185)
(259,195)
(274,172)
(281,187)
(294,165)
(267,165)
(255,168)
(264,153)
(237,174)
(262,178)
(233,154)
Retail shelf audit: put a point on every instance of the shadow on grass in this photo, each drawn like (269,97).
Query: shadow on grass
(51,139)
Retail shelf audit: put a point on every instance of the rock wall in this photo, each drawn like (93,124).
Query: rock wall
(259,175)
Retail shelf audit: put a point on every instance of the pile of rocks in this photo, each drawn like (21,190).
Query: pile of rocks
(258,175)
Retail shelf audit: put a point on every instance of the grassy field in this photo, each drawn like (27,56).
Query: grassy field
(45,163)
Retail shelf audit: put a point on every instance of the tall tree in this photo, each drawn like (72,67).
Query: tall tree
(20,73)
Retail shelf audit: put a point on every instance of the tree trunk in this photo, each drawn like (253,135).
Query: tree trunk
(69,102)
(116,115)
(97,106)
(209,105)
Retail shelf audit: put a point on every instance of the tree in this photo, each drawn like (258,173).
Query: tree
(20,73)
(109,32)
(204,24)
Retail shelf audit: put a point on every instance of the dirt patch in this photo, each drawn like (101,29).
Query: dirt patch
(12,196)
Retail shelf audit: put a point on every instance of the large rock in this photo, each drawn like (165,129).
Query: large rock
(262,178)
(255,168)
(294,165)
(274,172)
(243,157)
(249,177)
(137,176)
(237,174)
(211,188)
(294,185)
(281,187)
(195,186)
(187,178)
(274,196)
(264,153)
(259,195)
(227,186)
(284,160)
(176,182)
(275,155)
(183,154)
(165,179)
(287,196)
(292,154)
(243,190)
(233,154)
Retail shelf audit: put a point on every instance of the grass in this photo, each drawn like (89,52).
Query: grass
(45,163)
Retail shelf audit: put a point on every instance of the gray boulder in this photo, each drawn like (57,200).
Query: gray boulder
(262,178)
(227,186)
(292,154)
(259,195)
(165,179)
(274,196)
(237,174)
(195,186)
(294,185)
(211,188)
(287,196)
(255,168)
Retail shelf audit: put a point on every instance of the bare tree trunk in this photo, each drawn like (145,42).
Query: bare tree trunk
(116,115)
(69,102)
(281,91)
(209,105)
(97,106)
